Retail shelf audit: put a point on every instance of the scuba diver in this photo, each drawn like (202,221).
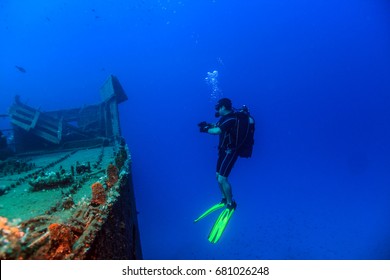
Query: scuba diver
(236,131)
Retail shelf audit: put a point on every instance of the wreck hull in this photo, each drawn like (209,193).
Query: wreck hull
(105,231)
(66,190)
(119,238)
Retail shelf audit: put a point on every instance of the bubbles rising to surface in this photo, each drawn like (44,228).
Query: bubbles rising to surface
(212,80)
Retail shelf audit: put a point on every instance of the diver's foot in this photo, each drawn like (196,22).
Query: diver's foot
(224,201)
(231,205)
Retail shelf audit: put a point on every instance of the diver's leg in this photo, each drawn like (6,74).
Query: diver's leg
(221,188)
(225,164)
(226,188)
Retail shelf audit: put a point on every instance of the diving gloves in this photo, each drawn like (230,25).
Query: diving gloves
(204,126)
(222,220)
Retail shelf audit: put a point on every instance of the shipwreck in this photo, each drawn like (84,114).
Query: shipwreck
(66,187)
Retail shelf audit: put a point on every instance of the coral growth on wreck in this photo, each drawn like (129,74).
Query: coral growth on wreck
(112,175)
(11,238)
(99,196)
(61,240)
(51,180)
(121,157)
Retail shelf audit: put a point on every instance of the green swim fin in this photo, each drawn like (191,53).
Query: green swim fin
(210,210)
(220,225)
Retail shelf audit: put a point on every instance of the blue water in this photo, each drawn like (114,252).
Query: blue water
(315,75)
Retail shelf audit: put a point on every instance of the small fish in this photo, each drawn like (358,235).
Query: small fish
(21,69)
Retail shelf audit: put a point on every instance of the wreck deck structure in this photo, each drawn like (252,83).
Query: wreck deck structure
(65,183)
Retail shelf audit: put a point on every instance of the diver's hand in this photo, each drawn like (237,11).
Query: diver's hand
(204,126)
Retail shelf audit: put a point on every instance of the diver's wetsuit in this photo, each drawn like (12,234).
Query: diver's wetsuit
(227,154)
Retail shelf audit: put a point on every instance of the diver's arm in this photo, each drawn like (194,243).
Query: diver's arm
(210,128)
(214,130)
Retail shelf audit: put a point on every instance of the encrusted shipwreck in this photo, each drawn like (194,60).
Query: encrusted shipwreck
(65,184)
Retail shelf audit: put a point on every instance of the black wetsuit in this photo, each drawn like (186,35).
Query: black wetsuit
(227,152)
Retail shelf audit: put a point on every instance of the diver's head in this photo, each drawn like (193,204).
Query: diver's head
(223,107)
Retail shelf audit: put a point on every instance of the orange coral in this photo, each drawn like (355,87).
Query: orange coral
(61,239)
(112,175)
(98,194)
(10,240)
(12,233)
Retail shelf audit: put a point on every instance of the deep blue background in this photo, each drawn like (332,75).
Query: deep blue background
(315,74)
